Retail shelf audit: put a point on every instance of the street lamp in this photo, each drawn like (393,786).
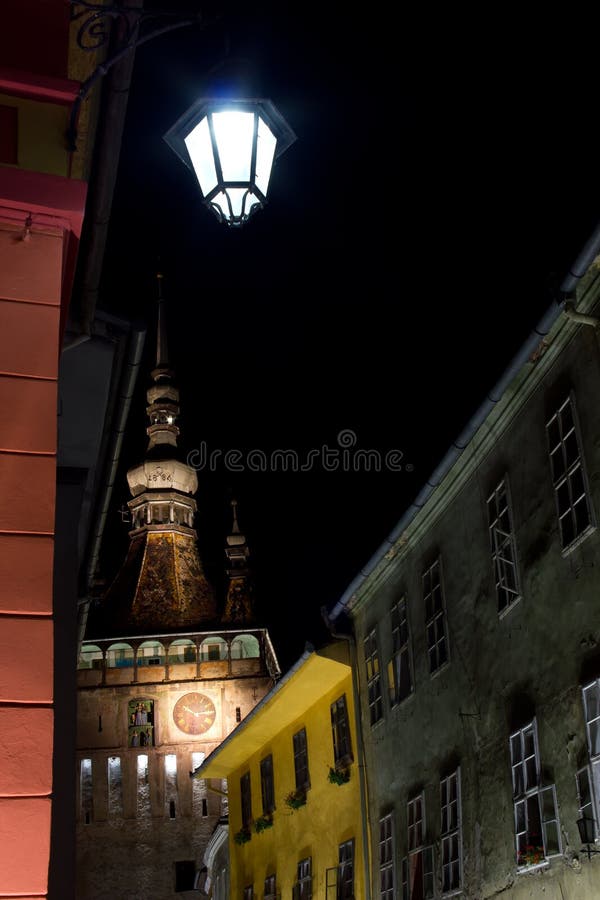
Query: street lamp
(587,829)
(231,146)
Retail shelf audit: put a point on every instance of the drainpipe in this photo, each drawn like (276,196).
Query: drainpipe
(126,392)
(363,783)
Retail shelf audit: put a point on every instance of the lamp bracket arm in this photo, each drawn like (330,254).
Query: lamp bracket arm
(137,26)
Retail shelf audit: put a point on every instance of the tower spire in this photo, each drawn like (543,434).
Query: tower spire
(162,585)
(163,396)
(162,349)
(238,602)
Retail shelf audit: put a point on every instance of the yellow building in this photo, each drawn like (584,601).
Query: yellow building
(295,792)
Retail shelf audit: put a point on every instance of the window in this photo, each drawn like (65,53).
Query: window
(451,832)
(303,887)
(198,787)
(568,474)
(417,867)
(386,858)
(502,541)
(537,829)
(249,892)
(185,873)
(400,666)
(142,786)
(373,678)
(301,760)
(115,787)
(246,800)
(342,752)
(588,778)
(345,873)
(270,888)
(86,791)
(435,617)
(171,783)
(140,715)
(267,784)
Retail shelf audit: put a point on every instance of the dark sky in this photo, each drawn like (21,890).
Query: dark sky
(443,180)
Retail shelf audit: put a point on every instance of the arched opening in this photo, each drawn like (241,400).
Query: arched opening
(151,653)
(183,650)
(245,646)
(90,657)
(119,656)
(213,648)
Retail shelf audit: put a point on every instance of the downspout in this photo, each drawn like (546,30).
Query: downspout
(126,393)
(362,766)
(576,272)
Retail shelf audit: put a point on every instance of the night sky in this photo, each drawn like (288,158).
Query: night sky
(443,180)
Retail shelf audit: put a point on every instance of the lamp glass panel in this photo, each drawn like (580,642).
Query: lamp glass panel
(237,195)
(265,151)
(199,147)
(234,133)
(220,200)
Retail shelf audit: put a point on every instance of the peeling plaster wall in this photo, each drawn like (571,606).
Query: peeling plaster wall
(539,653)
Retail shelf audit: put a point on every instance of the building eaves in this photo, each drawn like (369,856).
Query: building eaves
(387,551)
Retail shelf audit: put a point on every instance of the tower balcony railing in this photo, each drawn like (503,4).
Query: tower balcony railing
(184,656)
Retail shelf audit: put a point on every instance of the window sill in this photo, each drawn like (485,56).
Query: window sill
(439,670)
(566,551)
(400,703)
(508,609)
(523,870)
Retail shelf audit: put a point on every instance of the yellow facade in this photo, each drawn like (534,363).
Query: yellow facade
(331,815)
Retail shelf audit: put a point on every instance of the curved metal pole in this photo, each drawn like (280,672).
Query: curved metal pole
(93,34)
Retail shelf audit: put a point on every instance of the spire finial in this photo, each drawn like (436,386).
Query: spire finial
(162,355)
(235,528)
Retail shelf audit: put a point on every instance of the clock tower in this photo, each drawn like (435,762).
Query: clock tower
(163,678)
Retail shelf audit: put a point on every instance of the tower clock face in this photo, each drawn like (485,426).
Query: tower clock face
(194,713)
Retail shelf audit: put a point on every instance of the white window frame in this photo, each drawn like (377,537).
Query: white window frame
(504,547)
(528,789)
(416,825)
(373,669)
(401,650)
(589,800)
(435,619)
(451,833)
(387,873)
(564,474)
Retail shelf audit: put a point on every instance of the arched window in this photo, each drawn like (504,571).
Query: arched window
(119,656)
(151,653)
(213,648)
(183,650)
(90,657)
(245,646)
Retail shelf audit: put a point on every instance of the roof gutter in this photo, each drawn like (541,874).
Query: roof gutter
(576,272)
